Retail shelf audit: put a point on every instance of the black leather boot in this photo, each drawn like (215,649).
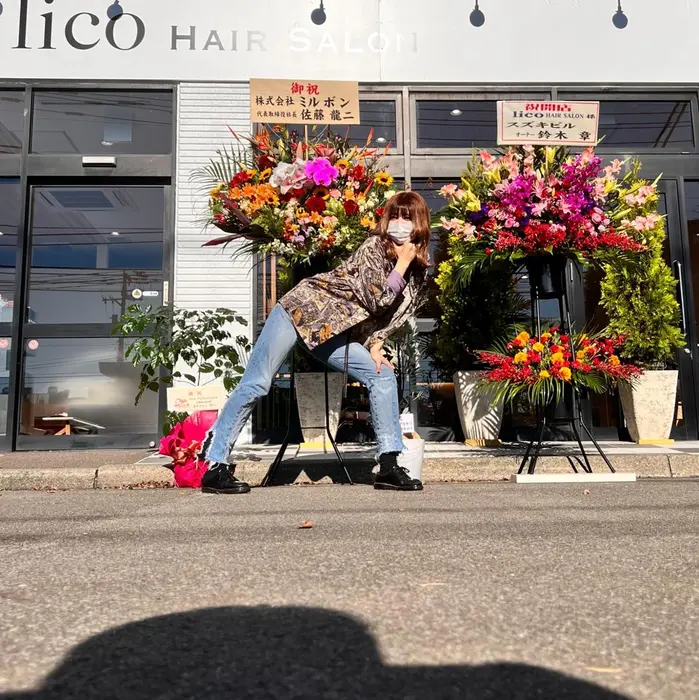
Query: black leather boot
(392,477)
(219,478)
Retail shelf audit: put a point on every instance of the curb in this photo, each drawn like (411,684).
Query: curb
(477,468)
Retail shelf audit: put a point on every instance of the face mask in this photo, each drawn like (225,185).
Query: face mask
(400,230)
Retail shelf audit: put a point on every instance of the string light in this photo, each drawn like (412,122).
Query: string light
(318,15)
(477,18)
(620,20)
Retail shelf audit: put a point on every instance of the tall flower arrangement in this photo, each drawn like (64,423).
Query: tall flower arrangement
(542,367)
(543,200)
(299,200)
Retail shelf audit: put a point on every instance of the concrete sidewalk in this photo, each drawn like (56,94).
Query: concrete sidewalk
(444,463)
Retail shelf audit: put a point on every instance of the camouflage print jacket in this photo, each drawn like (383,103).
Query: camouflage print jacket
(355,297)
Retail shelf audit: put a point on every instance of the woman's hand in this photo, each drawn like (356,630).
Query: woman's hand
(377,355)
(406,254)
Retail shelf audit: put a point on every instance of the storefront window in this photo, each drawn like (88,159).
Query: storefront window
(452,124)
(94,251)
(102,122)
(11,120)
(84,387)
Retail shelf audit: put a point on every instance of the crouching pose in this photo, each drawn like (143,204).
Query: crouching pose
(343,318)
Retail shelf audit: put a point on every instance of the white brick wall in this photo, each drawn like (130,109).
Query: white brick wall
(208,277)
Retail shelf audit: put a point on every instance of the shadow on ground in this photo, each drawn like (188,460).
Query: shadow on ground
(282,653)
(325,466)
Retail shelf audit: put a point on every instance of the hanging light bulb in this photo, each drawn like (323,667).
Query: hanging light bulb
(114,11)
(477,18)
(318,15)
(620,20)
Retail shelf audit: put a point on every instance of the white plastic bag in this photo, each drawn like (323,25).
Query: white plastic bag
(413,455)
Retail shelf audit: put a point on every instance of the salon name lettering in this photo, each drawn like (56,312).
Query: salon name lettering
(39,28)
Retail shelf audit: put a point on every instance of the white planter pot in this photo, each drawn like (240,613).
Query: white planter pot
(649,406)
(481,417)
(310,397)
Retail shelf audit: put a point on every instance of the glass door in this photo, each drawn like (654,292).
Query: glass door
(93,251)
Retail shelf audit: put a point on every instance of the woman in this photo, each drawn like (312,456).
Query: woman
(342,317)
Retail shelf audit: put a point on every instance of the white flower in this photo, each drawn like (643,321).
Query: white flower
(287,176)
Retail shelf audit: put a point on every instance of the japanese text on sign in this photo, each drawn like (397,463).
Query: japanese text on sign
(548,123)
(187,399)
(304,102)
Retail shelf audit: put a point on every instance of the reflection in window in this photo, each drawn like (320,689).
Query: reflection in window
(456,124)
(11,120)
(102,122)
(95,250)
(647,124)
(81,386)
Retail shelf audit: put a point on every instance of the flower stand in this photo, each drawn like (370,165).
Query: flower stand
(547,280)
(274,467)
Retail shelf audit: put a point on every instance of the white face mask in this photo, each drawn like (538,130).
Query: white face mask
(400,230)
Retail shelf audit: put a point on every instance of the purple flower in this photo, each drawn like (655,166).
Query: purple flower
(322,171)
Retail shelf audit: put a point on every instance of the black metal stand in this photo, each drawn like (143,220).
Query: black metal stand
(547,280)
(274,467)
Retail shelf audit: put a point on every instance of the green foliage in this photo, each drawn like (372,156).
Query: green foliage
(178,338)
(475,314)
(172,418)
(640,302)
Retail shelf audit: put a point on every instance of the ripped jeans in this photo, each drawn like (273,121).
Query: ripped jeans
(276,341)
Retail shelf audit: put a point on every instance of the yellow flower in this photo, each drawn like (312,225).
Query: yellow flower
(520,358)
(348,193)
(544,374)
(538,347)
(342,164)
(524,337)
(264,175)
(368,222)
(566,373)
(545,336)
(580,355)
(384,179)
(557,357)
(614,361)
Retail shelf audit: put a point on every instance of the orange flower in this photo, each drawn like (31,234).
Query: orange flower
(565,373)
(614,361)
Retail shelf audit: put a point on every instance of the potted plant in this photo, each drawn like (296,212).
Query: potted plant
(474,314)
(183,346)
(310,203)
(641,305)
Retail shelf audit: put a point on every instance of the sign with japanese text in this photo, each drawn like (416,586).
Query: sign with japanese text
(548,123)
(187,399)
(304,101)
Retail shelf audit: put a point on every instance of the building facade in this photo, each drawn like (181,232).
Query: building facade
(107,108)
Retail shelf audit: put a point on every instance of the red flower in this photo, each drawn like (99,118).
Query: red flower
(576,365)
(357,173)
(265,162)
(488,251)
(220,218)
(240,179)
(564,338)
(586,367)
(556,348)
(351,207)
(379,212)
(316,204)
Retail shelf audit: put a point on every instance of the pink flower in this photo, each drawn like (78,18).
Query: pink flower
(597,215)
(539,187)
(538,209)
(487,159)
(321,171)
(642,223)
(614,168)
(448,190)
(335,193)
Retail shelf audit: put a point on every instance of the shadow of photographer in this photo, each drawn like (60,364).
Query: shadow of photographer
(284,653)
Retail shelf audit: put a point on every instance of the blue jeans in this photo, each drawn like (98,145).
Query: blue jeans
(276,341)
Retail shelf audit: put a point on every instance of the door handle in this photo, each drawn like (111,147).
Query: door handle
(683,311)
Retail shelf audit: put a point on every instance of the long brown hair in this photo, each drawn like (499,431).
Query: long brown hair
(407,205)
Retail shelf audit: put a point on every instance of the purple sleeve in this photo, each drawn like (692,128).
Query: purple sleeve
(396,282)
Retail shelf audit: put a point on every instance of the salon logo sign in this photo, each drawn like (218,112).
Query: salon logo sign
(38,36)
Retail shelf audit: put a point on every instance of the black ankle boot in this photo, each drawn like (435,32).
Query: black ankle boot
(219,479)
(392,477)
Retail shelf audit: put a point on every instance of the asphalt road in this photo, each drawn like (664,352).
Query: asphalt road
(484,591)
